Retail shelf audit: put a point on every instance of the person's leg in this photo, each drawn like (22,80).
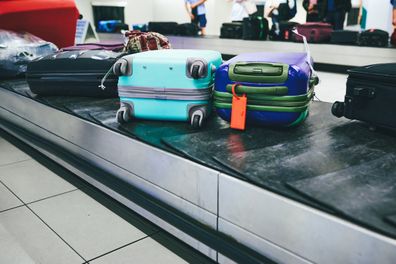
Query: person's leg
(339,19)
(330,18)
(275,24)
(202,24)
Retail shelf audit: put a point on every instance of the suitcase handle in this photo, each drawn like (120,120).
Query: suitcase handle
(259,72)
(274,90)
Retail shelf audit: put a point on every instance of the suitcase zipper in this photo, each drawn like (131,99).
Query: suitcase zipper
(70,76)
(165,93)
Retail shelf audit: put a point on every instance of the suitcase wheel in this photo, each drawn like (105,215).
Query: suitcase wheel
(197,119)
(338,109)
(124,115)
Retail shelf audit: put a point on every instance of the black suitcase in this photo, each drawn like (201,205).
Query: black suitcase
(345,37)
(187,29)
(370,95)
(232,30)
(374,38)
(255,28)
(286,31)
(74,73)
(164,28)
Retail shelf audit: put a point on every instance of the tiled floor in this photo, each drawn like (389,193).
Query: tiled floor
(48,215)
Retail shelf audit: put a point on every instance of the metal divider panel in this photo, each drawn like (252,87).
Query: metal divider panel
(332,150)
(364,193)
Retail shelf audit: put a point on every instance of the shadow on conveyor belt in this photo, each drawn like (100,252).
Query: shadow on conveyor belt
(336,165)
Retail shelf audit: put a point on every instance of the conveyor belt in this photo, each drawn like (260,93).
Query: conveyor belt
(333,164)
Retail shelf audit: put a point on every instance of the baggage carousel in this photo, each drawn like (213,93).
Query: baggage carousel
(322,192)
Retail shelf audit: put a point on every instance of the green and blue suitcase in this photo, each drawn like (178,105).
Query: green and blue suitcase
(173,85)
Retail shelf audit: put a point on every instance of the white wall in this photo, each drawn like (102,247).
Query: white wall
(85,8)
(136,11)
(379,14)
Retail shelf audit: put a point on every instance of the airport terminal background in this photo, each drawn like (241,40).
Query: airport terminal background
(219,11)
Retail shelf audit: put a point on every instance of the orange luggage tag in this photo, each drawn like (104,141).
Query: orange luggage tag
(238,110)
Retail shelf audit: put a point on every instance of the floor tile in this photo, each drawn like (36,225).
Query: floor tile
(85,224)
(7,199)
(31,181)
(145,251)
(10,154)
(25,239)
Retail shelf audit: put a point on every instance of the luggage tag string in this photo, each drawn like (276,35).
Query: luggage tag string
(307,50)
(102,86)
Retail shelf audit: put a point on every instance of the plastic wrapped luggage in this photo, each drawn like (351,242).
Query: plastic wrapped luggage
(52,20)
(141,27)
(165,28)
(255,28)
(111,26)
(116,46)
(346,37)
(232,30)
(18,49)
(166,85)
(315,32)
(370,95)
(374,38)
(278,87)
(74,73)
(187,29)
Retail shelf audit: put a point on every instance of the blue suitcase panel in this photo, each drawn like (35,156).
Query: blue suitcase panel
(168,69)
(168,84)
(298,73)
(170,110)
(267,118)
(295,83)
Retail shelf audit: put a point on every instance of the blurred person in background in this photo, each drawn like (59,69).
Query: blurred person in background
(242,9)
(312,7)
(334,12)
(197,12)
(280,11)
(393,2)
(260,7)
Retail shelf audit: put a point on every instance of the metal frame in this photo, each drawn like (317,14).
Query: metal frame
(274,226)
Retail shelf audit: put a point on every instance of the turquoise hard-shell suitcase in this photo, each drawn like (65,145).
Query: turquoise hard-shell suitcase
(166,85)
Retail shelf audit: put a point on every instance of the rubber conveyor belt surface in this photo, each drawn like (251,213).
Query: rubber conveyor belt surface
(333,164)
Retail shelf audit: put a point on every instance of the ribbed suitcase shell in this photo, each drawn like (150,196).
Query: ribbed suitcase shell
(374,38)
(73,73)
(346,37)
(370,95)
(315,32)
(158,87)
(297,82)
